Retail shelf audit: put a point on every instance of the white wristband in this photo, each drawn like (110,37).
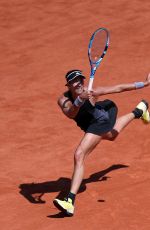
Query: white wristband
(78,102)
(139,85)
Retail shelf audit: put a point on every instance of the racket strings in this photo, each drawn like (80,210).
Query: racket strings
(99,45)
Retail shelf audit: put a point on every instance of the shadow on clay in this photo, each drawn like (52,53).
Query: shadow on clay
(33,192)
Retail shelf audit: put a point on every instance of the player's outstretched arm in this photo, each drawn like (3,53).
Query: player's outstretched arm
(121,87)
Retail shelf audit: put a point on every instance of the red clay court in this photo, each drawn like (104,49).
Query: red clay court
(40,41)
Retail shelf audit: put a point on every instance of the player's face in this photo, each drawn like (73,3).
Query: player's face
(76,85)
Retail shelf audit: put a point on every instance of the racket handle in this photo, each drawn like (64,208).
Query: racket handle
(90,83)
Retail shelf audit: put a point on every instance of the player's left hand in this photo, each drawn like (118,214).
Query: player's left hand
(84,94)
(88,95)
(92,97)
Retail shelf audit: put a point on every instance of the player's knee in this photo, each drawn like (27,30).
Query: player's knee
(111,136)
(79,156)
(114,135)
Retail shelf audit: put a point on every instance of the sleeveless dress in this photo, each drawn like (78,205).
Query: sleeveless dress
(98,119)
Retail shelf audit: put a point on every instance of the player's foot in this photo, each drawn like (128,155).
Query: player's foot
(65,206)
(146,117)
(141,111)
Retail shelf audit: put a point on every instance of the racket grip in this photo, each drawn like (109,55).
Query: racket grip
(90,83)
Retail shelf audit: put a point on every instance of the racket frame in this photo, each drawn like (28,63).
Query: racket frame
(95,65)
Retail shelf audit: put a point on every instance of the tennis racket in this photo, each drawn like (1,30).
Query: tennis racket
(97,48)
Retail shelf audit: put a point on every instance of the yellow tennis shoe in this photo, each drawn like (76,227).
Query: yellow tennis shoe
(143,105)
(146,117)
(65,206)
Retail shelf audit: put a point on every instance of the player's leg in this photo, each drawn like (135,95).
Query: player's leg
(141,111)
(87,144)
(120,124)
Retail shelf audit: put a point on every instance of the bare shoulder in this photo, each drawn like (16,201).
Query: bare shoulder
(64,99)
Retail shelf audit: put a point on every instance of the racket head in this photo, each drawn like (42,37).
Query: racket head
(98,46)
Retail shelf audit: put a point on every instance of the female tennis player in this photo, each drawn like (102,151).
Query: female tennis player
(98,120)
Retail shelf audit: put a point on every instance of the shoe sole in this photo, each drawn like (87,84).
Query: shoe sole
(61,208)
(146,120)
(143,105)
(146,103)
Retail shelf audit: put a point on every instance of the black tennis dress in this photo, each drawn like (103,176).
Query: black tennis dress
(98,119)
